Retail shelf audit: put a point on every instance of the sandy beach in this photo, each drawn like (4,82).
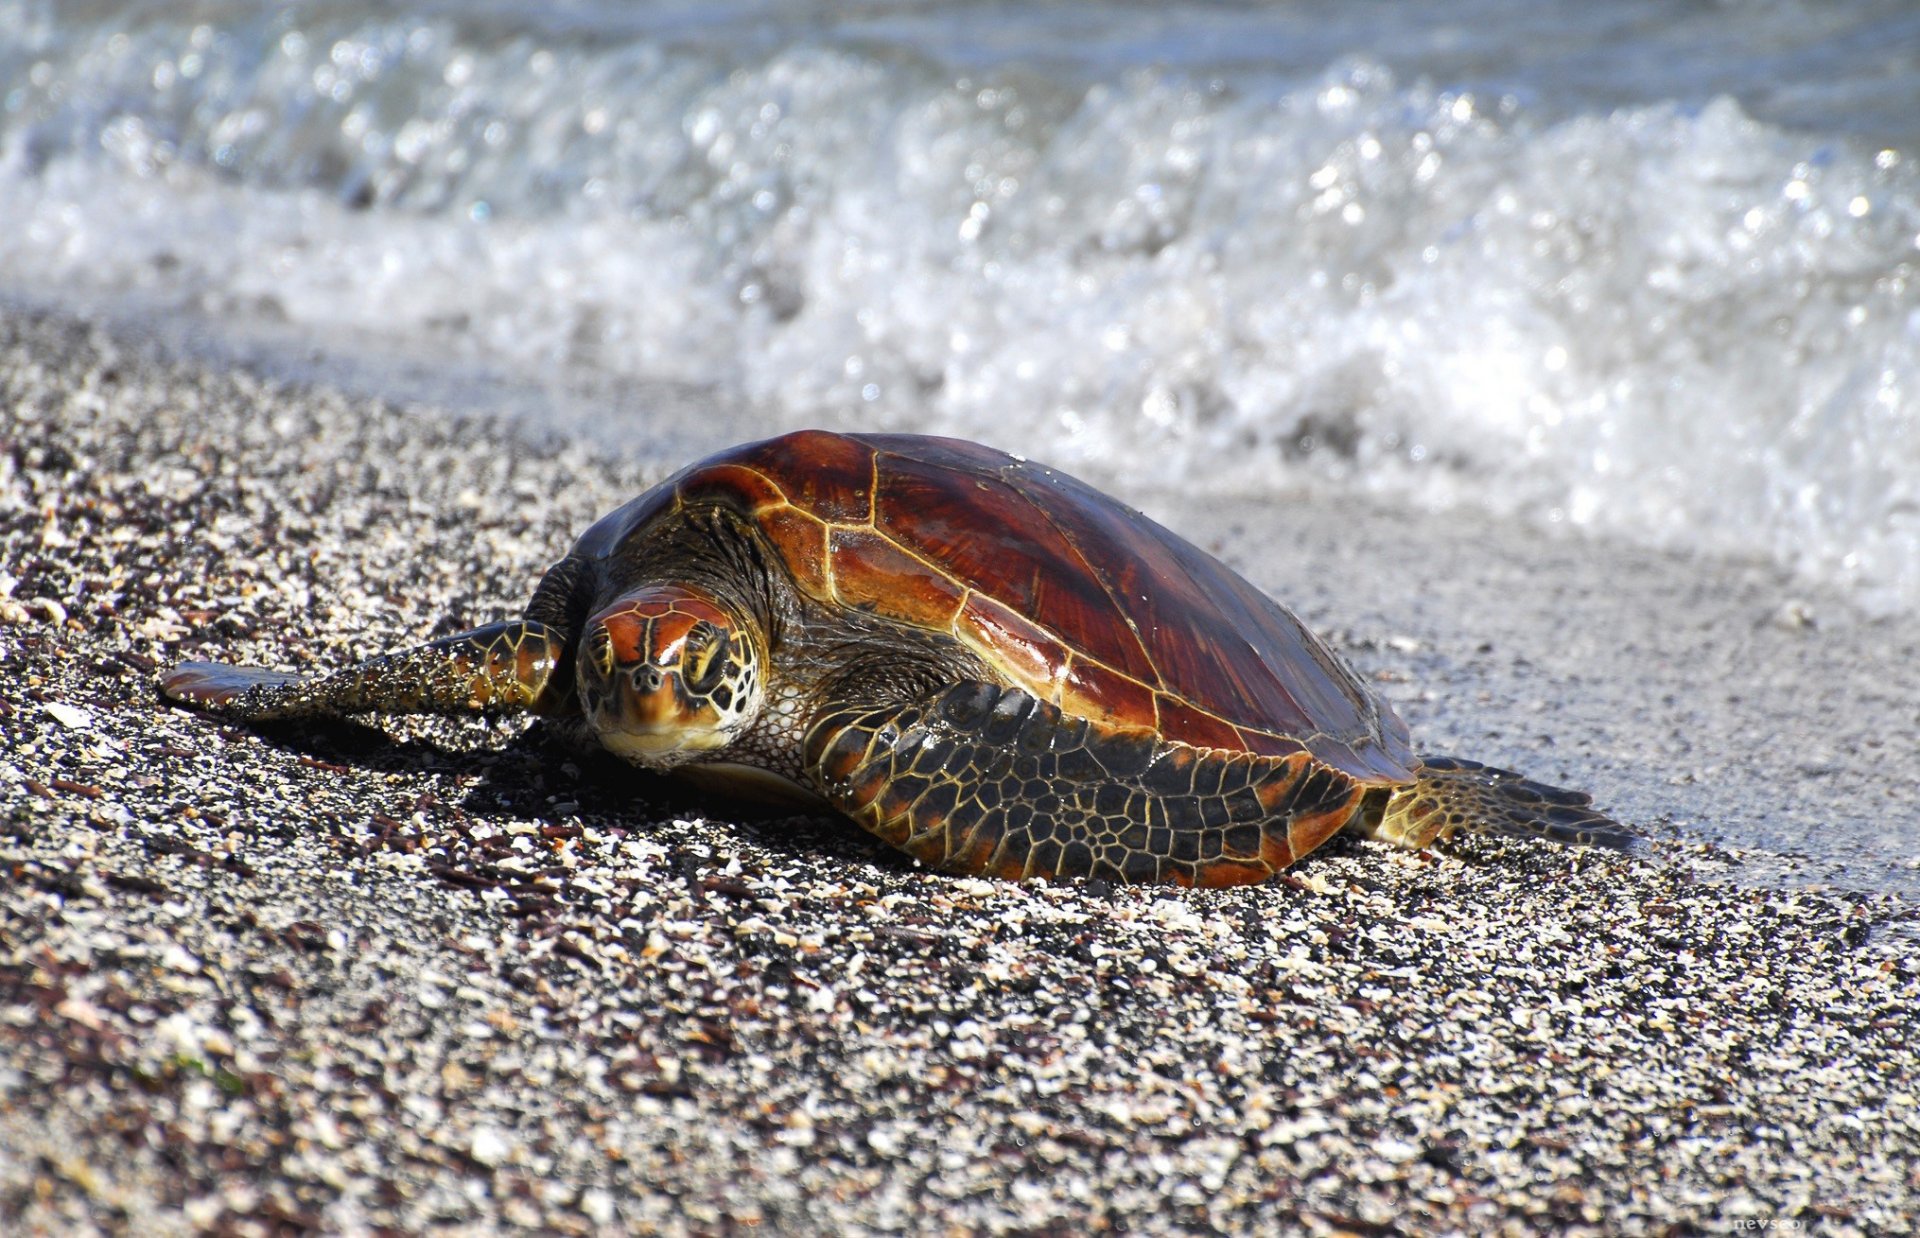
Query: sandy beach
(450,976)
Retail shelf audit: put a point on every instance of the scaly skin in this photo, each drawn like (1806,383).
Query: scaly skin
(1449,795)
(501,668)
(982,779)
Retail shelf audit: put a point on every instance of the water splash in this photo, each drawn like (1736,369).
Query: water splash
(1668,321)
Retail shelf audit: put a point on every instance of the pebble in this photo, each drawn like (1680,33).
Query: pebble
(242,991)
(489,1147)
(68,716)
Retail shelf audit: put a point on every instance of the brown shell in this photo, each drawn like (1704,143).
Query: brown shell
(1074,597)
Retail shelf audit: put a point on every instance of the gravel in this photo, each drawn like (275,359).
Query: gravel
(450,975)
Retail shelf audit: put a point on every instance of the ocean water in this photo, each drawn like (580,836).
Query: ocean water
(1646,268)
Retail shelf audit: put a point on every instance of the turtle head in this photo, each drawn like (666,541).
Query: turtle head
(668,674)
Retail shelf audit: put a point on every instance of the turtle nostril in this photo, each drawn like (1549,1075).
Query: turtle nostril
(648,679)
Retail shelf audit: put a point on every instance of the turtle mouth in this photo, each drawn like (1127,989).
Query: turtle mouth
(662,749)
(646,714)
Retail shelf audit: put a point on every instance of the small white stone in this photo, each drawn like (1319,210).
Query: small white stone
(201,1213)
(597,1205)
(1396,1151)
(70,716)
(1794,615)
(325,1131)
(489,1146)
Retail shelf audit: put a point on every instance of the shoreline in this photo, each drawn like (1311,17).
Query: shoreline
(451,976)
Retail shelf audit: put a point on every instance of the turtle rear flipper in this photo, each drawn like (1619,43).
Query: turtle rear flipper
(1449,795)
(501,668)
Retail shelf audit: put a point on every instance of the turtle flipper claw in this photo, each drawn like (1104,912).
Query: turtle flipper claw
(218,688)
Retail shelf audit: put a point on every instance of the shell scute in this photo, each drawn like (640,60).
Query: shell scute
(829,475)
(800,541)
(1174,716)
(872,572)
(991,534)
(998,634)
(741,486)
(1213,638)
(1094,691)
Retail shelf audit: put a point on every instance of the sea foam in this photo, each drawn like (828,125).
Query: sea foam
(1663,319)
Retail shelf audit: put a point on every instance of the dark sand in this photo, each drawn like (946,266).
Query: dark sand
(447,975)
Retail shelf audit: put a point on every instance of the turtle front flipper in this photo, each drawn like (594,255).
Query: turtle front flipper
(980,779)
(501,668)
(1449,795)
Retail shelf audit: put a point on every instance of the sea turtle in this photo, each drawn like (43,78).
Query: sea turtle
(983,661)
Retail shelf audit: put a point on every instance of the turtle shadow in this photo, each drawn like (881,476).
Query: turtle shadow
(539,775)
(356,745)
(609,793)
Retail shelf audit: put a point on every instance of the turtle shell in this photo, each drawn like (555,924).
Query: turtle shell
(1072,596)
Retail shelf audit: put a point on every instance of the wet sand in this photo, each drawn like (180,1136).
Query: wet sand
(445,974)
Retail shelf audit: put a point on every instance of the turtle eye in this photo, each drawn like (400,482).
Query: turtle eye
(705,659)
(600,649)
